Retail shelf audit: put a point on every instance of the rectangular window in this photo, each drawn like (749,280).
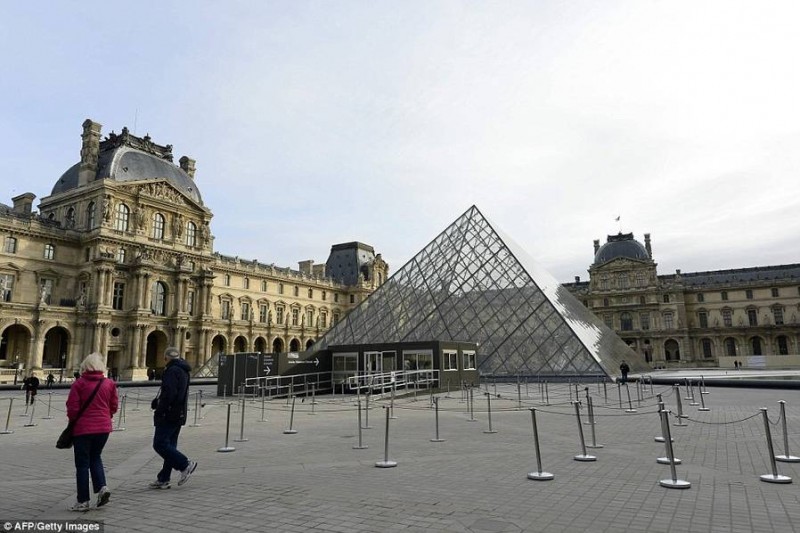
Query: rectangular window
(748,294)
(701,297)
(190,302)
(246,283)
(644,321)
(774,293)
(6,287)
(324,296)
(280,288)
(121,255)
(311,293)
(49,251)
(309,318)
(263,286)
(469,360)
(335,318)
(352,298)
(668,324)
(449,360)
(279,314)
(777,313)
(336,296)
(727,318)
(707,353)
(226,309)
(752,317)
(245,311)
(703,316)
(724,295)
(227,280)
(119,295)
(295,317)
(296,290)
(262,313)
(10,245)
(608,318)
(323,320)
(666,298)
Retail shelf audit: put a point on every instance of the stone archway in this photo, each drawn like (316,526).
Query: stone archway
(56,348)
(218,345)
(261,345)
(15,342)
(156,344)
(239,344)
(294,345)
(309,343)
(672,350)
(277,345)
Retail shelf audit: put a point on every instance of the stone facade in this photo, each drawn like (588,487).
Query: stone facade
(120,259)
(704,319)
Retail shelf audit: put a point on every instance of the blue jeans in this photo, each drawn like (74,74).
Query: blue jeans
(87,450)
(165,443)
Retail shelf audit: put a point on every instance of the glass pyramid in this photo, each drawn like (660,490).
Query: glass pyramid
(472,283)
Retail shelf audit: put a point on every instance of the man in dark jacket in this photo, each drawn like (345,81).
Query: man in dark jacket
(170,414)
(31,388)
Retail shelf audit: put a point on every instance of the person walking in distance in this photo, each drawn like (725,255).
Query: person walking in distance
(92,428)
(31,388)
(170,408)
(624,368)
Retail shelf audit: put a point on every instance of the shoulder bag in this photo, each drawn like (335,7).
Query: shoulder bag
(65,439)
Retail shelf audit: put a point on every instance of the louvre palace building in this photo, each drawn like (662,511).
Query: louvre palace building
(119,259)
(694,319)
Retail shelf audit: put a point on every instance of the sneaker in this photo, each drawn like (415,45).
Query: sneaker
(159,484)
(186,472)
(103,496)
(80,507)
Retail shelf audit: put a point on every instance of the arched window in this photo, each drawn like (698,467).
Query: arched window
(158,299)
(727,317)
(622,281)
(91,213)
(672,351)
(668,322)
(755,344)
(783,345)
(191,234)
(71,217)
(626,322)
(49,251)
(730,347)
(158,226)
(121,255)
(708,351)
(122,216)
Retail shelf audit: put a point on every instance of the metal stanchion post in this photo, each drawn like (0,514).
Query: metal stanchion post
(660,408)
(6,431)
(263,399)
(360,445)
(49,404)
(196,410)
(630,408)
(386,463)
(688,394)
(673,482)
(588,418)
(786,457)
(702,403)
(136,407)
(291,431)
(31,423)
(241,425)
(391,402)
(539,475)
(582,456)
(774,477)
(471,405)
(619,393)
(638,393)
(668,459)
(313,400)
(703,385)
(693,402)
(227,448)
(591,422)
(366,411)
(436,407)
(121,416)
(489,410)
(546,393)
(605,391)
(519,396)
(680,416)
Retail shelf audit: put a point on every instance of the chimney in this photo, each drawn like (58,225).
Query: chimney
(306,266)
(577,279)
(90,148)
(318,270)
(23,203)
(596,246)
(647,245)
(187,165)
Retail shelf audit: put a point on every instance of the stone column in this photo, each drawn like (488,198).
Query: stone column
(34,359)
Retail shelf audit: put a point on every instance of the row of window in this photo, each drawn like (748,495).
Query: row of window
(626,319)
(450,360)
(622,281)
(748,294)
(226,280)
(246,312)
(10,247)
(756,346)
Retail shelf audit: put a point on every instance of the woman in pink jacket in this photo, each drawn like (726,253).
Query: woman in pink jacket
(92,429)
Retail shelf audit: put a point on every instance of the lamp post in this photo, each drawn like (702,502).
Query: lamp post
(16,368)
(63,362)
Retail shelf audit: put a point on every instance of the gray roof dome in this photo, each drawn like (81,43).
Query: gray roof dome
(621,245)
(129,158)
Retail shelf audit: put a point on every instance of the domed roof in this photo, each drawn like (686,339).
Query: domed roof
(620,245)
(129,158)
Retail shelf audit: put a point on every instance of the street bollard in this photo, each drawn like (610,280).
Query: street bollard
(774,477)
(582,456)
(291,431)
(241,426)
(227,448)
(360,446)
(436,407)
(489,409)
(539,475)
(673,482)
(386,463)
(7,431)
(786,457)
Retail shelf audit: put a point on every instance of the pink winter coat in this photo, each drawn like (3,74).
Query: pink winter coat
(97,417)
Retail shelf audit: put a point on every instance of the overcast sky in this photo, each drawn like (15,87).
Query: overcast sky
(315,123)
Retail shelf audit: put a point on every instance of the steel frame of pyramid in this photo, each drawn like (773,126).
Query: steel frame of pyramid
(473,283)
